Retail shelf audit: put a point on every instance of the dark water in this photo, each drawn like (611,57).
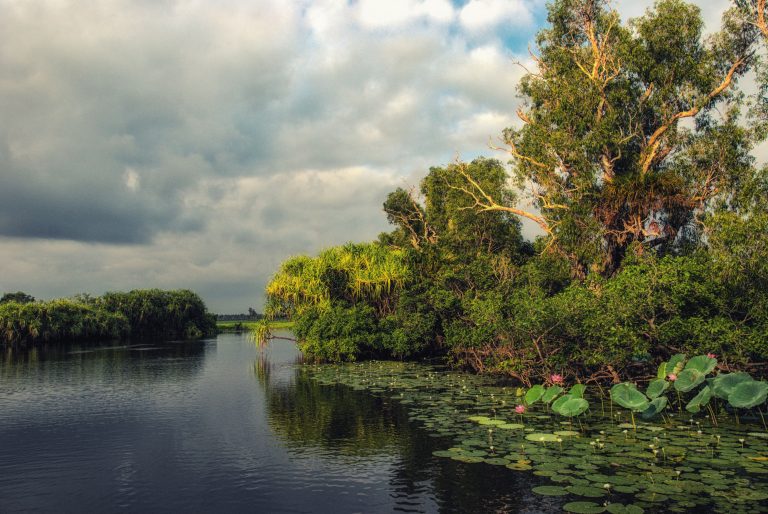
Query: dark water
(215,426)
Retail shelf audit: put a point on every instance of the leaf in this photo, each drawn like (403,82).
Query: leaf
(655,407)
(534,394)
(723,384)
(675,363)
(577,390)
(551,393)
(688,379)
(583,507)
(748,394)
(573,407)
(626,395)
(560,401)
(702,364)
(662,372)
(700,400)
(656,387)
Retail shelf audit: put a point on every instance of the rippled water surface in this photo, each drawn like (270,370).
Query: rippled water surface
(217,426)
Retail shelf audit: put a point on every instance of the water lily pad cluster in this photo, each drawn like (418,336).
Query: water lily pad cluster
(596,460)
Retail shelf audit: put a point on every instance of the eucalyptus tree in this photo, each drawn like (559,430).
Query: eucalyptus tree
(629,132)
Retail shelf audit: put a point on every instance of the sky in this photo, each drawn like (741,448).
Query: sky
(199,143)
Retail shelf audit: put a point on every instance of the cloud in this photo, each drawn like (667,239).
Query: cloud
(481,15)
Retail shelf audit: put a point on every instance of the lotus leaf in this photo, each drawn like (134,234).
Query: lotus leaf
(662,371)
(626,395)
(573,407)
(675,363)
(723,384)
(560,401)
(583,507)
(551,393)
(656,387)
(655,407)
(577,390)
(688,379)
(534,394)
(700,400)
(748,394)
(702,364)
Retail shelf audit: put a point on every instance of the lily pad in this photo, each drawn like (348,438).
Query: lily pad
(541,438)
(551,393)
(550,490)
(573,407)
(534,394)
(723,384)
(700,400)
(583,507)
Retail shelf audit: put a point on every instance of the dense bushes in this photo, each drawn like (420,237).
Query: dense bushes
(139,313)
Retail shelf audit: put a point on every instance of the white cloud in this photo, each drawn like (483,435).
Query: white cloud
(396,13)
(481,15)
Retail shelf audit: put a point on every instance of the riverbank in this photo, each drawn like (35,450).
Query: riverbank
(249,326)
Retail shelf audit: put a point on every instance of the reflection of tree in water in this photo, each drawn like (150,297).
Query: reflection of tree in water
(127,364)
(339,421)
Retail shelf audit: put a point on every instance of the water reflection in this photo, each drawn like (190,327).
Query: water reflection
(349,427)
(217,426)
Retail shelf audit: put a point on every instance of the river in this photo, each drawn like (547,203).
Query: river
(220,426)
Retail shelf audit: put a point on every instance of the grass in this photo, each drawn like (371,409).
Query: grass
(236,326)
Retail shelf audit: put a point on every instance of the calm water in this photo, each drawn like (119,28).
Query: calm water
(217,426)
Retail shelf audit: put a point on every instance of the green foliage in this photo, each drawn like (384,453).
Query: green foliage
(627,395)
(139,313)
(18,297)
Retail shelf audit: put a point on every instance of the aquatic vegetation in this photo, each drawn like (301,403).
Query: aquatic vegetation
(603,465)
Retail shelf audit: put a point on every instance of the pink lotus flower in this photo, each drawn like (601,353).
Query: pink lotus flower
(712,356)
(520,409)
(556,379)
(672,377)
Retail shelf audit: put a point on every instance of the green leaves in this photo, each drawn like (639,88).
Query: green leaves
(572,407)
(748,394)
(627,395)
(655,407)
(702,363)
(700,400)
(534,394)
(688,379)
(656,388)
(551,393)
(723,385)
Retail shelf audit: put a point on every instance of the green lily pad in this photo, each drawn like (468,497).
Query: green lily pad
(511,426)
(618,508)
(583,507)
(655,407)
(541,438)
(587,491)
(550,490)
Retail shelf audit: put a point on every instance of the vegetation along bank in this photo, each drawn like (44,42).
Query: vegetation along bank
(633,160)
(141,313)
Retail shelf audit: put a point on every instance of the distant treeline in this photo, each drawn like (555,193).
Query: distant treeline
(141,313)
